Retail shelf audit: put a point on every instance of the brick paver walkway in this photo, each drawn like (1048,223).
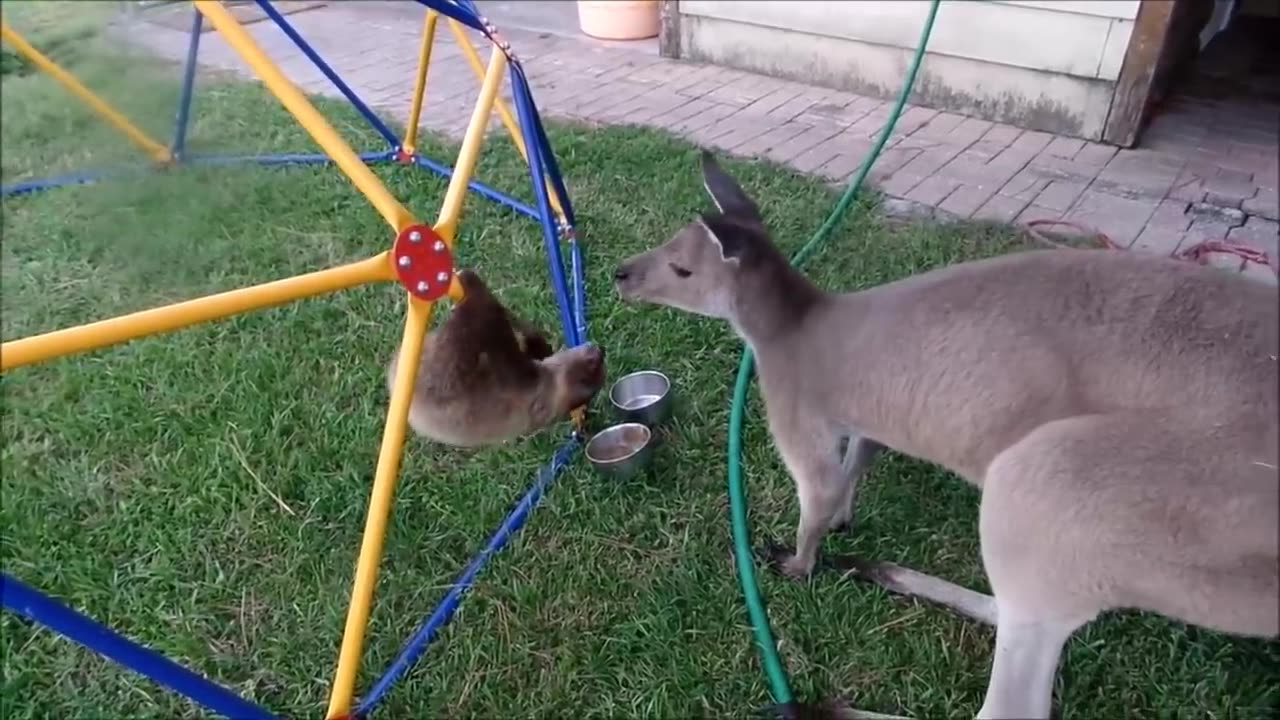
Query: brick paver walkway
(1206,170)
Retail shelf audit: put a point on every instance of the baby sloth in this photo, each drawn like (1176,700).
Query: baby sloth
(486,377)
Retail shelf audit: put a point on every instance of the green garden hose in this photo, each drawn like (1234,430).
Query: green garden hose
(775,673)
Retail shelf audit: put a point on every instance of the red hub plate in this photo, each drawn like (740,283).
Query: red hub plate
(423,262)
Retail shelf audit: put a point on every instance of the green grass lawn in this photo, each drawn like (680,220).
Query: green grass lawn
(140,481)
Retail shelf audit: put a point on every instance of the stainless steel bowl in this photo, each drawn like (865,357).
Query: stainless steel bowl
(621,451)
(643,396)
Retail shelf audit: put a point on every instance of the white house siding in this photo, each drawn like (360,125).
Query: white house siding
(1041,64)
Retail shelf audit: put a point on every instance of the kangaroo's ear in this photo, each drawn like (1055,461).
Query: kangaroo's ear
(734,244)
(725,191)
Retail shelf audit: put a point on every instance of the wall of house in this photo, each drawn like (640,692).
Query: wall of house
(1041,64)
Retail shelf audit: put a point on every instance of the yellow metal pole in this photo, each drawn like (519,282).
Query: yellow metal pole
(375,527)
(509,120)
(420,84)
(156,150)
(92,336)
(333,145)
(451,209)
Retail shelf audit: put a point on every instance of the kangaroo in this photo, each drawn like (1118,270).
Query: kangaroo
(1118,411)
(486,376)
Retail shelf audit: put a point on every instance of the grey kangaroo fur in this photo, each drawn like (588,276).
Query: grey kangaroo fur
(1118,411)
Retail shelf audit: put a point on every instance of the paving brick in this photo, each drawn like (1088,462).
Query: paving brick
(804,99)
(1011,156)
(729,131)
(774,136)
(1265,204)
(1060,194)
(891,161)
(931,161)
(1000,208)
(821,153)
(971,169)
(680,82)
(965,200)
(870,124)
(968,132)
(653,104)
(1159,240)
(900,183)
(692,114)
(809,137)
(903,209)
(1121,218)
(913,118)
(1207,228)
(714,80)
(1170,215)
(1229,189)
(1058,168)
(1064,147)
(940,126)
(932,190)
(1188,186)
(1001,134)
(743,91)
(1231,176)
(616,93)
(775,99)
(1139,174)
(1210,213)
(1025,185)
(835,113)
(1095,154)
(986,149)
(1031,141)
(574,104)
(663,74)
(1258,232)
(1036,212)
(849,159)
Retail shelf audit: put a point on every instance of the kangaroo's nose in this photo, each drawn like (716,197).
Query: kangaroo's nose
(622,273)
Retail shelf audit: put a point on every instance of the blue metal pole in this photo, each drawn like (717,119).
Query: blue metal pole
(188,84)
(479,187)
(550,235)
(426,632)
(31,186)
(557,183)
(579,286)
(463,14)
(548,156)
(39,608)
(319,62)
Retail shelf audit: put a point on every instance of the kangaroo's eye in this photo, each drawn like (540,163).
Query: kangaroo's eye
(679,271)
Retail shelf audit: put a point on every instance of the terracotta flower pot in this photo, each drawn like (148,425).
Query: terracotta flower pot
(619,19)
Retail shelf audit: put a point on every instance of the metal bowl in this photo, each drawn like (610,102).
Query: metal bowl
(643,396)
(621,451)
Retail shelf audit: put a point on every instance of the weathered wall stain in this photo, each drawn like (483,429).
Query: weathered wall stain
(705,41)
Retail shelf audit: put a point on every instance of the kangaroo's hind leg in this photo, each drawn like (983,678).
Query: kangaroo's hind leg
(810,449)
(860,453)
